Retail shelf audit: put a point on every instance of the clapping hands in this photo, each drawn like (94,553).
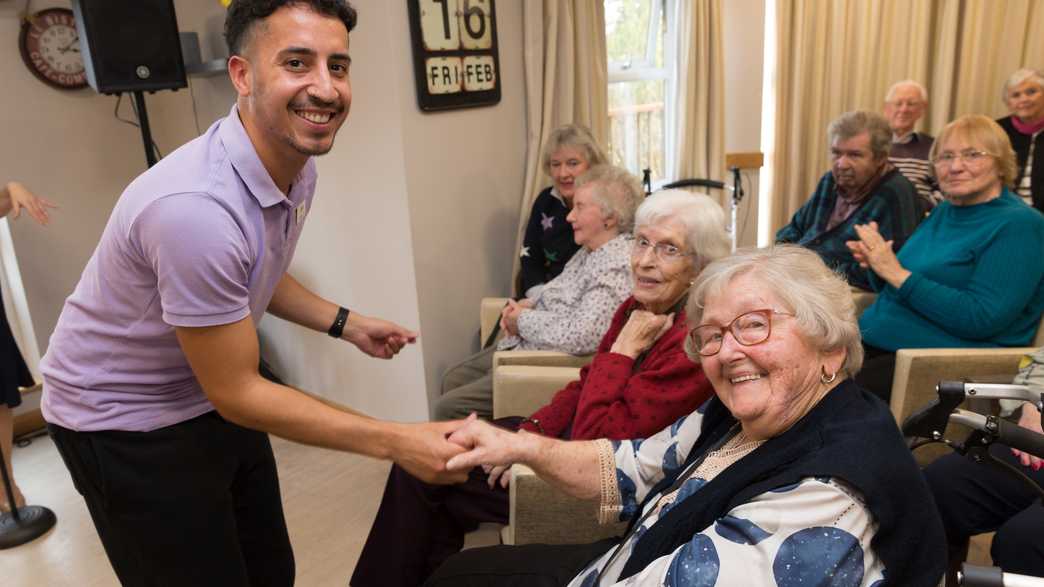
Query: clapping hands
(872,251)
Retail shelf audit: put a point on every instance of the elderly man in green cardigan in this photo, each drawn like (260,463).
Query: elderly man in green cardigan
(861,186)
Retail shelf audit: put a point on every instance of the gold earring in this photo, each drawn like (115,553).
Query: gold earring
(824,378)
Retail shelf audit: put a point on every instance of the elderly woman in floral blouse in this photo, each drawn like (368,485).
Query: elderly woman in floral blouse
(791,475)
(573,310)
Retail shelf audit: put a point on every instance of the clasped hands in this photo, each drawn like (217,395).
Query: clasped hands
(448,450)
(509,315)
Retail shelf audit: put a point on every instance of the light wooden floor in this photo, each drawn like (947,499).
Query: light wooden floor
(330,500)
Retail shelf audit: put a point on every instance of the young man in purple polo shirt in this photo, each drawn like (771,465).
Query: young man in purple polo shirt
(151,388)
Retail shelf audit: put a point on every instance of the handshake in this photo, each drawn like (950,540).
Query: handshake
(444,452)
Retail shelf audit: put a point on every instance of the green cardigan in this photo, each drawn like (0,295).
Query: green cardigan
(977,280)
(893,205)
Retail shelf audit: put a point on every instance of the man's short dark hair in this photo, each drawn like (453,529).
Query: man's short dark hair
(243,15)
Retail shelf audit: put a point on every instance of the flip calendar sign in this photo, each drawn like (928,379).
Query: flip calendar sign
(455,53)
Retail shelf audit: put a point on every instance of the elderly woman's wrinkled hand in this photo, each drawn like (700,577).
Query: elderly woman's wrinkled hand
(485,444)
(642,331)
(496,473)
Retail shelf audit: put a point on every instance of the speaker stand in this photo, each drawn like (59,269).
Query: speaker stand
(143,124)
(21,524)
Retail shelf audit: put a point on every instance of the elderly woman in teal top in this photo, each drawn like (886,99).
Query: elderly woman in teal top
(972,275)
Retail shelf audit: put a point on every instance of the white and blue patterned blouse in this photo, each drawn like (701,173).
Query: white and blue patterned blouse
(816,532)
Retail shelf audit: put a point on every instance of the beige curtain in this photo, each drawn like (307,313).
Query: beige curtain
(567,80)
(986,41)
(700,94)
(839,55)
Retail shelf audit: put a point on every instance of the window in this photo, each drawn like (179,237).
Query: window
(640,46)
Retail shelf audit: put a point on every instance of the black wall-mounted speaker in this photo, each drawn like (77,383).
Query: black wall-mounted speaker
(130,45)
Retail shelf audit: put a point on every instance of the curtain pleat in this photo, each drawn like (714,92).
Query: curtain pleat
(566,81)
(700,92)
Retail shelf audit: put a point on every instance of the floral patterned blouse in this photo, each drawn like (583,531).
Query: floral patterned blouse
(816,532)
(574,309)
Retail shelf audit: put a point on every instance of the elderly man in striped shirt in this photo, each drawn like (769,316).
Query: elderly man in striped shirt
(903,107)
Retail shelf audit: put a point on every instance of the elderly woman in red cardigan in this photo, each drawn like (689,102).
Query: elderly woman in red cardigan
(639,382)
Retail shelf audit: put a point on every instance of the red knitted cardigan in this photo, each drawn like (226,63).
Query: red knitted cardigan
(613,399)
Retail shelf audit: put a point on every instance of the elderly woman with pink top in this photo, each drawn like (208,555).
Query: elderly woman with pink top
(1024,95)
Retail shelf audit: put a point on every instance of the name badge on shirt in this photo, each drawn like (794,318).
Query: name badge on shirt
(299,212)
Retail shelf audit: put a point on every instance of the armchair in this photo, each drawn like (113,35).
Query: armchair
(917,371)
(489,315)
(539,513)
(520,390)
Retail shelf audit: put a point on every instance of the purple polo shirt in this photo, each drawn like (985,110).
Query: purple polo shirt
(201,239)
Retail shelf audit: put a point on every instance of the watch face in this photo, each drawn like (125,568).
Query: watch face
(50,47)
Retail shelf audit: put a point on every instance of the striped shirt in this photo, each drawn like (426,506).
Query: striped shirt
(910,156)
(1024,189)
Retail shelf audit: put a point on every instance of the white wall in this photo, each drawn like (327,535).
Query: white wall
(358,248)
(418,220)
(465,174)
(744,29)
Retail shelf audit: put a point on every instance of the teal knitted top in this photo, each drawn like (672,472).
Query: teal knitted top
(977,280)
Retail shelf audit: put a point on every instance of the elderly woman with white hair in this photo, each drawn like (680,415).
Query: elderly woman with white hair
(639,382)
(1023,93)
(573,310)
(790,475)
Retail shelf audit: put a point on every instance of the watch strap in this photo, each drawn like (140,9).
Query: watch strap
(337,328)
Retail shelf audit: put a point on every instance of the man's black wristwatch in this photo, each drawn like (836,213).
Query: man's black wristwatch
(337,328)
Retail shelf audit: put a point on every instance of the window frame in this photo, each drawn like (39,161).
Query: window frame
(645,70)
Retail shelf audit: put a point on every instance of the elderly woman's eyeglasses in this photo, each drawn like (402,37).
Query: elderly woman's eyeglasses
(748,329)
(663,251)
(969,156)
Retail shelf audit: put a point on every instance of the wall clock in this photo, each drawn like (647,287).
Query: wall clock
(50,47)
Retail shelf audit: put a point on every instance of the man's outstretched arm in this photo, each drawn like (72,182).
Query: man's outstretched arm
(375,337)
(224,358)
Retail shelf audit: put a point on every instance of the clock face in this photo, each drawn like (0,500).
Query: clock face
(50,48)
